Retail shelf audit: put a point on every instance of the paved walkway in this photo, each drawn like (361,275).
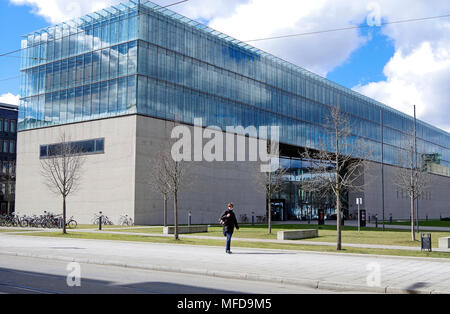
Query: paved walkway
(300,242)
(318,270)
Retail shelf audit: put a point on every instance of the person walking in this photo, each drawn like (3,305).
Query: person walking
(229,222)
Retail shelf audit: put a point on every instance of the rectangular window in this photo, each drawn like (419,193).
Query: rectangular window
(12,147)
(5,146)
(95,146)
(43,151)
(100,145)
(6,126)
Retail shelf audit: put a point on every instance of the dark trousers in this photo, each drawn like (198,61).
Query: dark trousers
(228,235)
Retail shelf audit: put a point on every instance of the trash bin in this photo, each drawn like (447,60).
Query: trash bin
(426,242)
(362,218)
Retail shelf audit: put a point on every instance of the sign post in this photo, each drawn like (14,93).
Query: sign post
(359,203)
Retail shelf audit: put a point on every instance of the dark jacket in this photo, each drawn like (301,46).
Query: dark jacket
(230,222)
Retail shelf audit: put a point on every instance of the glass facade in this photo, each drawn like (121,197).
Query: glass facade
(80,70)
(145,59)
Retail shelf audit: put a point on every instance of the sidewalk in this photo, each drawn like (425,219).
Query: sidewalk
(343,272)
(183,236)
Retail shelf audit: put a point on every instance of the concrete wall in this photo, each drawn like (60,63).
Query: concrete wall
(435,202)
(117,182)
(108,179)
(211,184)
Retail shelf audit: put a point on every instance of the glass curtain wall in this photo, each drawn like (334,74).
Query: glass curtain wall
(147,59)
(187,70)
(80,70)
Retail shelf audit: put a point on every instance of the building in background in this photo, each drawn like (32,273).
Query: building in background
(8,140)
(118,78)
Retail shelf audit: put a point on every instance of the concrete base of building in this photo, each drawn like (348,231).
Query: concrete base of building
(118,182)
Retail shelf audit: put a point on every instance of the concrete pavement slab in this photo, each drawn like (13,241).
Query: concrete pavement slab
(322,270)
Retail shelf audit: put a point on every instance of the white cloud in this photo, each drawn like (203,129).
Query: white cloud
(419,72)
(419,78)
(9,99)
(56,11)
(318,53)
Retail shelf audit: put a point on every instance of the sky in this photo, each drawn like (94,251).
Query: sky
(401,64)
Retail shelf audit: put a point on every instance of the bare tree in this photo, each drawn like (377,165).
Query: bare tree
(171,177)
(62,170)
(271,183)
(338,164)
(159,181)
(410,177)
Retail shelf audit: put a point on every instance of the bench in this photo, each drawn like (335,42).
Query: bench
(185,229)
(444,243)
(297,234)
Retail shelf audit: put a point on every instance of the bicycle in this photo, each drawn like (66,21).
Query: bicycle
(72,223)
(105,220)
(125,221)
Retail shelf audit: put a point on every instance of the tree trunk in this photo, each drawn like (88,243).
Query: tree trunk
(165,210)
(339,221)
(413,233)
(64,215)
(269,220)
(175,208)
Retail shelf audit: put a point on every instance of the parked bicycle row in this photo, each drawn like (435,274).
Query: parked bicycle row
(47,220)
(124,220)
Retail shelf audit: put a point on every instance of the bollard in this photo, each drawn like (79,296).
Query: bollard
(100,221)
(253,218)
(376,221)
(190,219)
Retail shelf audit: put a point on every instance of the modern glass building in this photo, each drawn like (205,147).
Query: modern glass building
(138,58)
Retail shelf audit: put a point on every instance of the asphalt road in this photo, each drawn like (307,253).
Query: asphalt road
(24,275)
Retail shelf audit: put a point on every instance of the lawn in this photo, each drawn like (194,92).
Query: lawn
(424,223)
(220,243)
(83,227)
(326,234)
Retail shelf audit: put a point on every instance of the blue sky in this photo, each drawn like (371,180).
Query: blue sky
(366,64)
(15,21)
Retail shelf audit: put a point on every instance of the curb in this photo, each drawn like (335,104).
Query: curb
(307,283)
